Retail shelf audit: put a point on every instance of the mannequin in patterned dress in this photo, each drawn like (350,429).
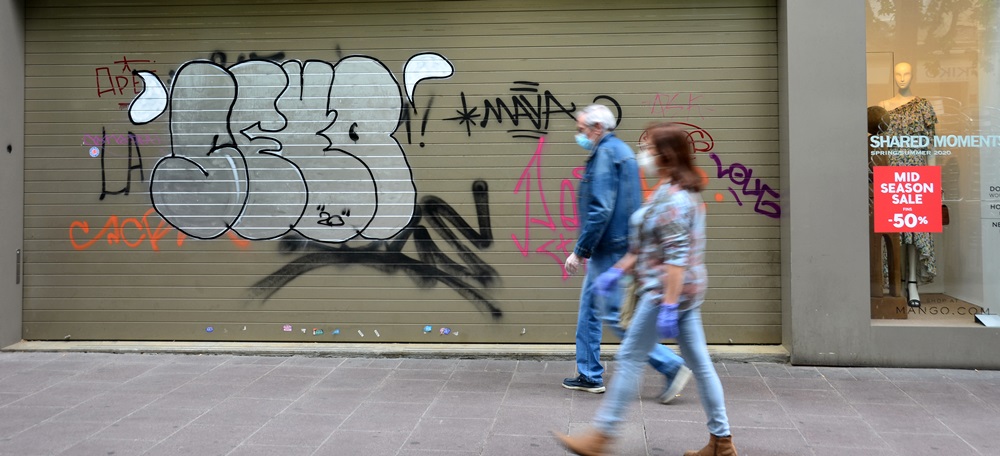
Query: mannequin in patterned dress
(910,115)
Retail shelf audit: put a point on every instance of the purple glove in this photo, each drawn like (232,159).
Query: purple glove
(607,281)
(666,321)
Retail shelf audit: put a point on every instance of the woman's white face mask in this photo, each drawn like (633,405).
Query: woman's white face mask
(646,161)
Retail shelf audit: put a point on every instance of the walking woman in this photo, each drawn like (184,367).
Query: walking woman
(666,254)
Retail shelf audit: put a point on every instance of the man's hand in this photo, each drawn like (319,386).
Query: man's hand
(572,263)
(608,280)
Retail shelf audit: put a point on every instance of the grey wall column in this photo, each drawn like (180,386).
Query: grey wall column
(824,181)
(11,167)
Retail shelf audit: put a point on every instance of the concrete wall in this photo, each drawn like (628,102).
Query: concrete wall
(823,176)
(11,167)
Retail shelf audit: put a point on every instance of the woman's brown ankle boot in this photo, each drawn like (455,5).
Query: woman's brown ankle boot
(717,446)
(590,443)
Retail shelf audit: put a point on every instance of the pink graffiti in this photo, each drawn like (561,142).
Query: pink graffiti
(669,104)
(558,238)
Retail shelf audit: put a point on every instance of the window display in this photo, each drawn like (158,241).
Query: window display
(934,161)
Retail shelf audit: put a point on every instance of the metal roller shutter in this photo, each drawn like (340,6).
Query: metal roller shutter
(358,171)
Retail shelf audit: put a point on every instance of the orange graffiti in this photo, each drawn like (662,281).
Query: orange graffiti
(649,189)
(124,231)
(240,242)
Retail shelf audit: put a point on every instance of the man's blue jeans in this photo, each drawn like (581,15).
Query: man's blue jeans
(588,326)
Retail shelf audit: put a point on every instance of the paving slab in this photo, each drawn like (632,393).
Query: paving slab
(262,402)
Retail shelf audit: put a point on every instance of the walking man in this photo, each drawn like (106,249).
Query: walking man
(607,196)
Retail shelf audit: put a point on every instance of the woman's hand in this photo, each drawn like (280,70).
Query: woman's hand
(627,263)
(666,321)
(608,280)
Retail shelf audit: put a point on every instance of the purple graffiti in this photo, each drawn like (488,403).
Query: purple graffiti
(141,139)
(741,175)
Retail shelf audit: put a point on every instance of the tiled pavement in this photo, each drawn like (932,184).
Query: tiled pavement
(98,404)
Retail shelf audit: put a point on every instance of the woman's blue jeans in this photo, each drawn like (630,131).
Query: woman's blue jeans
(630,360)
(594,310)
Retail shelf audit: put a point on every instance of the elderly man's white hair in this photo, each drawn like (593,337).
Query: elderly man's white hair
(599,114)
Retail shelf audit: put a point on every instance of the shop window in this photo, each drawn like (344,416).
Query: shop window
(933,72)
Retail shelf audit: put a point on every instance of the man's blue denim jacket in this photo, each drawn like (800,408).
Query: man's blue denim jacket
(609,193)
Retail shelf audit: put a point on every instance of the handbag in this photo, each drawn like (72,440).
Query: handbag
(631,299)
(629,304)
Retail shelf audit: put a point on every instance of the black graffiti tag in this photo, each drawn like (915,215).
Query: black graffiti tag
(527,104)
(470,278)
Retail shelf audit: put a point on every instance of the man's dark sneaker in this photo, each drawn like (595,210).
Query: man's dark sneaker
(582,384)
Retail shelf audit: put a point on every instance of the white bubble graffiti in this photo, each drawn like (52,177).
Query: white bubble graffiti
(428,65)
(264,148)
(151,102)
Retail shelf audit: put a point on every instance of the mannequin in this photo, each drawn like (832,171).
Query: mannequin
(911,115)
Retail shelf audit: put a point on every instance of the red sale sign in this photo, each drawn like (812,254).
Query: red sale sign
(907,199)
